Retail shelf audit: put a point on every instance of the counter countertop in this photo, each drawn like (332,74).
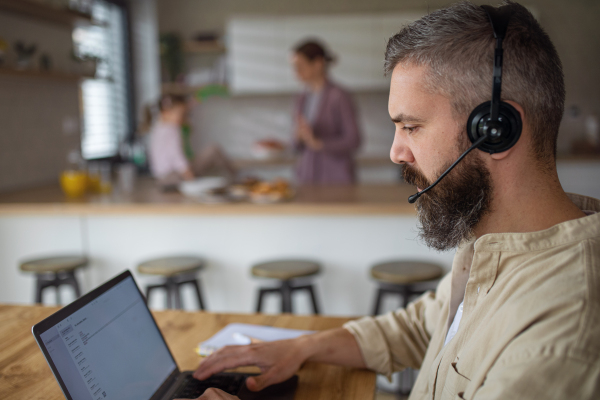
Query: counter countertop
(148,199)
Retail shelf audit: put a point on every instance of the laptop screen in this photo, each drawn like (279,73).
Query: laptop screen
(110,348)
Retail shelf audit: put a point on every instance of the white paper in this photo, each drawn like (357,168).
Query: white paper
(233,334)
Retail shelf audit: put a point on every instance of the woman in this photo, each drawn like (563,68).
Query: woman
(327,134)
(168,162)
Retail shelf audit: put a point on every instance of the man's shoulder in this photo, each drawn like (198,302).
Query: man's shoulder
(554,295)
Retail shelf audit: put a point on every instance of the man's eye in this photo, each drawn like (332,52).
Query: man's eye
(409,129)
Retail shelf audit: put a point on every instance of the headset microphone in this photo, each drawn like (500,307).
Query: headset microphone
(415,196)
(494,126)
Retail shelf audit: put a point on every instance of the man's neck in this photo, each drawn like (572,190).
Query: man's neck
(536,203)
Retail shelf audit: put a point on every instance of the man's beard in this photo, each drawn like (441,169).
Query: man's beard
(449,212)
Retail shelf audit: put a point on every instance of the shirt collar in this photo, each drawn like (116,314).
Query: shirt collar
(560,234)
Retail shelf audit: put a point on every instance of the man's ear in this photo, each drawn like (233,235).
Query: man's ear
(504,154)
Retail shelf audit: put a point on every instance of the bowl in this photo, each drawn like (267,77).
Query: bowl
(201,186)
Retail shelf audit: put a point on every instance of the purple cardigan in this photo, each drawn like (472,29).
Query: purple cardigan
(335,125)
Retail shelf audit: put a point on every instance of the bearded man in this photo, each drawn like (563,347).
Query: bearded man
(519,315)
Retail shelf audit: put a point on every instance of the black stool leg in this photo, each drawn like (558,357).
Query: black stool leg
(405,295)
(174,291)
(198,293)
(70,279)
(259,302)
(39,287)
(378,301)
(286,297)
(57,290)
(148,291)
(313,298)
(169,294)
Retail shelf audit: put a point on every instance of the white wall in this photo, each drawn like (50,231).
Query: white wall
(259,49)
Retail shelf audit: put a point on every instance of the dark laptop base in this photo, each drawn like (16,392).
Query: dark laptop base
(232,383)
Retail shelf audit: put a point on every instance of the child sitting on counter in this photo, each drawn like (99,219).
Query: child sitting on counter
(168,162)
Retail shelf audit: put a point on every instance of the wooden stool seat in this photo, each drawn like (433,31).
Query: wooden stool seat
(170,266)
(53,264)
(406,272)
(176,271)
(286,269)
(54,272)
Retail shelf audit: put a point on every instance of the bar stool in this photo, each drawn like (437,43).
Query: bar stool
(54,272)
(285,271)
(399,277)
(176,271)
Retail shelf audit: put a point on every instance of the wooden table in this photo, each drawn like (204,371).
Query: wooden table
(24,374)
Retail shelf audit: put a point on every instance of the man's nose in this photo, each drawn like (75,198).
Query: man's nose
(400,152)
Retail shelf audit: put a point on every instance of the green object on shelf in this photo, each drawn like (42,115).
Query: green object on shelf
(171,55)
(211,90)
(186,133)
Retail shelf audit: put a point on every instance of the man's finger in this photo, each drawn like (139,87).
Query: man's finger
(259,382)
(215,394)
(222,360)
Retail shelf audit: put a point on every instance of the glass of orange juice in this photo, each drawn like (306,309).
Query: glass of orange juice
(74,183)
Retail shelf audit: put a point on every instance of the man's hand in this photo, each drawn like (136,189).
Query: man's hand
(215,394)
(278,361)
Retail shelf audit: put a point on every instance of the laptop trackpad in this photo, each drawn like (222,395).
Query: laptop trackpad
(281,391)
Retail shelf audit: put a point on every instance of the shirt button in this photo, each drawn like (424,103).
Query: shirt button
(478,289)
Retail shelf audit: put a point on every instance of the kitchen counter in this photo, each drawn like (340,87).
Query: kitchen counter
(148,199)
(346,229)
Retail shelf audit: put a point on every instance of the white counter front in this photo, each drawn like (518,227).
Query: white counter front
(345,245)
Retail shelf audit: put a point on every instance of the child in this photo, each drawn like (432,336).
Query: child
(168,162)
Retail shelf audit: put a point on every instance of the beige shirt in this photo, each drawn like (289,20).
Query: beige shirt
(531,321)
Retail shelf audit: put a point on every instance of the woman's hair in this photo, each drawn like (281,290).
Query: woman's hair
(313,50)
(167,101)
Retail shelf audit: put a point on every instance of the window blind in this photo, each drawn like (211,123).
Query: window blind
(105,98)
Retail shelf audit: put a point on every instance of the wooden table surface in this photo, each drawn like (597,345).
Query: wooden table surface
(148,199)
(25,375)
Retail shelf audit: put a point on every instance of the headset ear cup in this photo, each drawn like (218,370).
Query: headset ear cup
(511,127)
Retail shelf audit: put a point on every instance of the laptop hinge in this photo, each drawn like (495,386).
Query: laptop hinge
(166,386)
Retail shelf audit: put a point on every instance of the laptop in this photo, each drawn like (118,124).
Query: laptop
(106,346)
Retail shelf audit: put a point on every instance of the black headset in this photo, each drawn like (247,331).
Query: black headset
(499,120)
(494,126)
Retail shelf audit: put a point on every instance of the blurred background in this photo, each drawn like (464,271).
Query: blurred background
(85,83)
(133,130)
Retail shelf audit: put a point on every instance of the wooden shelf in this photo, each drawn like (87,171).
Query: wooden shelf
(49,75)
(43,12)
(194,47)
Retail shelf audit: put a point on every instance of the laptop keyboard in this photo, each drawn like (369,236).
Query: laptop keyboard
(193,388)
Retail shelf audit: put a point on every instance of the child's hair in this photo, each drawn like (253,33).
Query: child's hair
(169,100)
(151,111)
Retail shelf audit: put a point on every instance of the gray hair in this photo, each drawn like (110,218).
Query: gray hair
(457,45)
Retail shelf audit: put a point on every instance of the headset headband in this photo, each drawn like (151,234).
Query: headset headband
(499,19)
